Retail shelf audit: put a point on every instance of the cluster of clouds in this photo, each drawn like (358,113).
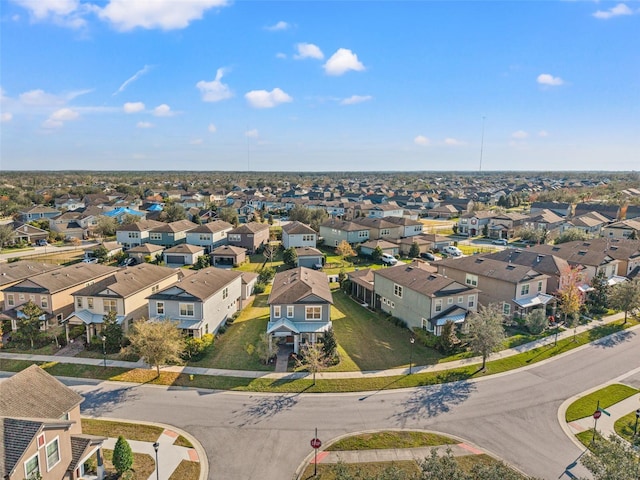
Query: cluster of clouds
(423,141)
(341,62)
(618,10)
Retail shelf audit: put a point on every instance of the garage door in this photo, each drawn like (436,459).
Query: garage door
(179,259)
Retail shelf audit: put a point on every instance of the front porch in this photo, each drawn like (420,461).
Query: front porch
(296,333)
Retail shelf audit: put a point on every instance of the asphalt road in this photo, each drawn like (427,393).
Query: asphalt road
(266,436)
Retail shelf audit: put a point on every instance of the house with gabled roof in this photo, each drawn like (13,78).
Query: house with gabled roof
(610,211)
(506,225)
(124,292)
(42,430)
(335,231)
(171,234)
(299,307)
(590,223)
(14,272)
(27,233)
(629,228)
(422,298)
(37,212)
(134,234)
(200,303)
(473,223)
(559,208)
(209,235)
(298,234)
(380,228)
(250,235)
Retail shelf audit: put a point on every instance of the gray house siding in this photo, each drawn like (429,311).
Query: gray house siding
(412,307)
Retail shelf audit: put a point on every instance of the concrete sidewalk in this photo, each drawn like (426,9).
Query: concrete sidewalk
(325,375)
(606,423)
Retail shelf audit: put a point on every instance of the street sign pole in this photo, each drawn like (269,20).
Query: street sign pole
(596,415)
(315,456)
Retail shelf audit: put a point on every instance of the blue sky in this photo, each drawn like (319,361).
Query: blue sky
(319,86)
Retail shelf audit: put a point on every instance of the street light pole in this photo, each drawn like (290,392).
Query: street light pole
(104,351)
(412,340)
(156,445)
(635,427)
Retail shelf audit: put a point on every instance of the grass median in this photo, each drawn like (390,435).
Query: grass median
(605,397)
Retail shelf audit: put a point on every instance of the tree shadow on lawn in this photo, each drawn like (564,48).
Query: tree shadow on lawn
(615,338)
(265,407)
(100,402)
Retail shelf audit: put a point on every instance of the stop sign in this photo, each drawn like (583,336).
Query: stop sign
(597,414)
(316,443)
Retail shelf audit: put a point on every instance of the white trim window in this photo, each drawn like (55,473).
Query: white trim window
(506,308)
(313,312)
(290,310)
(524,289)
(540,286)
(79,302)
(438,305)
(110,305)
(186,310)
(32,467)
(44,301)
(155,236)
(471,280)
(277,311)
(159,308)
(53,454)
(10,300)
(450,301)
(471,301)
(460,299)
(225,293)
(397,290)
(89,302)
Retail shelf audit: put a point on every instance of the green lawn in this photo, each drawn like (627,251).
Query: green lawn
(130,431)
(186,470)
(368,341)
(610,395)
(624,426)
(391,439)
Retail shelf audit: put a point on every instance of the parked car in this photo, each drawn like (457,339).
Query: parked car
(128,262)
(453,251)
(500,241)
(90,260)
(389,259)
(41,243)
(428,256)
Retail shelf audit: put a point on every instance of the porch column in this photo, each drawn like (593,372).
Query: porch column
(296,344)
(87,328)
(66,331)
(100,468)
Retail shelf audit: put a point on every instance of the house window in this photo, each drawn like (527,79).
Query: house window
(524,289)
(89,302)
(10,300)
(31,467)
(313,313)
(44,302)
(277,311)
(160,308)
(438,305)
(384,232)
(460,299)
(397,290)
(32,298)
(506,308)
(53,454)
(225,293)
(393,305)
(540,286)
(471,280)
(425,324)
(472,300)
(234,237)
(203,237)
(110,305)
(155,236)
(449,300)
(134,235)
(289,311)
(186,310)
(363,234)
(21,297)
(79,302)
(308,238)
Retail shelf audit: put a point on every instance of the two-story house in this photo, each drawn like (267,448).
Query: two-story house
(517,289)
(41,430)
(134,234)
(124,292)
(385,210)
(37,212)
(250,235)
(623,229)
(52,291)
(474,223)
(171,234)
(335,231)
(380,228)
(14,272)
(298,234)
(505,225)
(210,235)
(423,299)
(299,307)
(200,303)
(409,227)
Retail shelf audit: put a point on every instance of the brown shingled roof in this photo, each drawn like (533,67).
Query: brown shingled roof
(293,286)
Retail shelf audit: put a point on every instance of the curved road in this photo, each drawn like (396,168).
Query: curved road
(266,436)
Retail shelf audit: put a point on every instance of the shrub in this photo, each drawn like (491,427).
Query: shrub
(259,287)
(76,331)
(122,456)
(195,348)
(266,275)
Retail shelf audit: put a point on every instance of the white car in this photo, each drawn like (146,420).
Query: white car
(388,259)
(453,251)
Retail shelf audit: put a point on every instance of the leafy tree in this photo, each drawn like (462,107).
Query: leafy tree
(376,254)
(345,250)
(318,216)
(156,342)
(128,219)
(533,235)
(571,235)
(266,274)
(203,261)
(611,459)
(625,296)
(290,257)
(485,331)
(229,215)
(122,456)
(29,326)
(174,212)
(448,339)
(441,467)
(414,251)
(269,252)
(454,228)
(265,349)
(313,358)
(101,253)
(569,294)
(300,213)
(598,297)
(112,332)
(6,234)
(329,345)
(536,321)
(106,226)
(485,230)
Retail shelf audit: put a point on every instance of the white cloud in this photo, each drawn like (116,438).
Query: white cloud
(281,25)
(353,99)
(281,55)
(215,90)
(548,79)
(519,135)
(196,141)
(163,110)
(543,133)
(39,98)
(132,79)
(133,107)
(6,117)
(212,128)
(453,142)
(264,99)
(57,118)
(163,14)
(144,125)
(618,10)
(308,50)
(342,61)
(66,13)
(251,133)
(421,140)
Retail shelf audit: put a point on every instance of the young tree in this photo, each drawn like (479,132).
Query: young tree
(414,251)
(329,345)
(106,226)
(6,233)
(101,253)
(29,326)
(300,214)
(611,459)
(265,349)
(129,218)
(625,296)
(486,331)
(571,235)
(536,321)
(156,342)
(203,261)
(570,296)
(290,257)
(122,456)
(376,254)
(598,297)
(448,340)
(112,332)
(313,358)
(345,250)
(229,215)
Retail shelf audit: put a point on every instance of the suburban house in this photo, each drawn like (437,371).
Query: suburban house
(27,233)
(610,211)
(385,210)
(622,229)
(506,225)
(249,235)
(380,228)
(473,224)
(423,299)
(144,252)
(228,255)
(14,272)
(52,291)
(444,211)
(367,248)
(545,220)
(517,289)
(309,257)
(134,234)
(590,223)
(409,227)
(299,306)
(210,235)
(171,234)
(361,285)
(335,231)
(37,213)
(68,202)
(200,303)
(183,254)
(426,242)
(41,430)
(297,234)
(559,208)
(124,292)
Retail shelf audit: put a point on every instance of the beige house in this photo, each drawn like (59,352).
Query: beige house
(41,430)
(125,292)
(14,272)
